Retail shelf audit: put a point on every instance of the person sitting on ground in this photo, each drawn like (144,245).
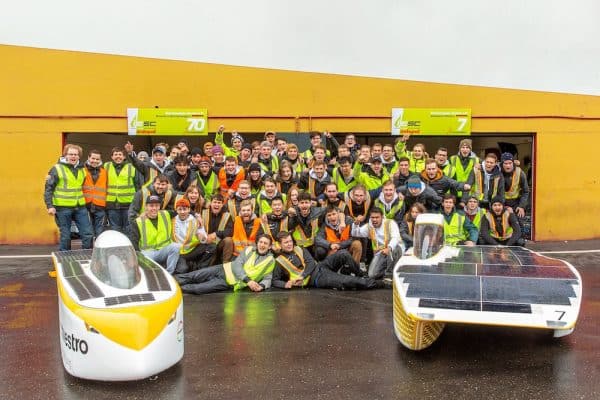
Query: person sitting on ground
(501,226)
(296,268)
(334,236)
(253,269)
(246,228)
(194,253)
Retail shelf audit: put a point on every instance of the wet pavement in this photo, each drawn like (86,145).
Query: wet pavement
(306,344)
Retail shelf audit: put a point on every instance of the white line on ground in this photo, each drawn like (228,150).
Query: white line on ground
(568,251)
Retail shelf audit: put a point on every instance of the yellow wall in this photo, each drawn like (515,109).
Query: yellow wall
(70,91)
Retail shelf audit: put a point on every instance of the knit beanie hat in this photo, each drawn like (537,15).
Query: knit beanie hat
(466,142)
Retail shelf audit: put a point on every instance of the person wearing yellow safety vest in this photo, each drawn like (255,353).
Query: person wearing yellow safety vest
(390,202)
(416,157)
(296,268)
(304,222)
(343,175)
(269,164)
(246,227)
(63,196)
(516,187)
(125,175)
(314,180)
(465,163)
(292,155)
(330,146)
(274,222)
(94,190)
(489,182)
(390,164)
(474,213)
(252,269)
(374,176)
(458,229)
(441,157)
(151,234)
(160,188)
(194,253)
(266,196)
(501,226)
(385,242)
(218,225)
(243,193)
(208,181)
(236,142)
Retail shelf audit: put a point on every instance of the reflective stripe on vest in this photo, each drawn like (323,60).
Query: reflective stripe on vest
(366,204)
(206,215)
(477,219)
(506,228)
(283,227)
(294,271)
(462,173)
(233,205)
(153,173)
(68,191)
(300,237)
(120,187)
(154,238)
(240,238)
(254,272)
(332,237)
(165,202)
(478,189)
(393,210)
(211,187)
(386,236)
(95,193)
(340,181)
(454,231)
(190,241)
(515,185)
(449,170)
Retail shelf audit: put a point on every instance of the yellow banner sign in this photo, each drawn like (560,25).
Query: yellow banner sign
(431,121)
(167,121)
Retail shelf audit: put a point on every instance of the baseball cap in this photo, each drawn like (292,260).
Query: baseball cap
(153,199)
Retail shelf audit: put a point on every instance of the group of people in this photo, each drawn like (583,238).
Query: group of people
(261,214)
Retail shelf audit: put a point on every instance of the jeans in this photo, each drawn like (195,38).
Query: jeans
(205,280)
(383,265)
(117,220)
(97,216)
(167,256)
(63,218)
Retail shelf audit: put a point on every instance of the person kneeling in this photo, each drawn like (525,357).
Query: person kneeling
(295,267)
(253,268)
(501,226)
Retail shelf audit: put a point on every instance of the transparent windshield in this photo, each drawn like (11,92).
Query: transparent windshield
(428,240)
(116,266)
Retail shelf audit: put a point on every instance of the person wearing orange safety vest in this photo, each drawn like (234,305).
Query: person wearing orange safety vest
(385,242)
(230,177)
(335,236)
(252,269)
(63,196)
(94,190)
(501,226)
(246,228)
(296,268)
(195,253)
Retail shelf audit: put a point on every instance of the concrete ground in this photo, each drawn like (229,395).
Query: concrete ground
(306,344)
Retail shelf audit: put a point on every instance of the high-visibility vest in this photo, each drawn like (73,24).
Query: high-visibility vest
(274,167)
(387,232)
(308,154)
(515,185)
(332,237)
(68,191)
(477,218)
(152,173)
(120,187)
(95,193)
(478,188)
(293,270)
(207,215)
(190,241)
(211,187)
(371,182)
(166,198)
(151,237)
(449,170)
(395,209)
(283,227)
(223,181)
(300,236)
(366,204)
(264,204)
(462,173)
(507,230)
(240,238)
(392,167)
(342,185)
(255,272)
(232,206)
(454,231)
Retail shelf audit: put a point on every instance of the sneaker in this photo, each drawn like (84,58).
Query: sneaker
(363,266)
(387,282)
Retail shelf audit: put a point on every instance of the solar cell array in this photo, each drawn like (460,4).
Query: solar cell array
(487,278)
